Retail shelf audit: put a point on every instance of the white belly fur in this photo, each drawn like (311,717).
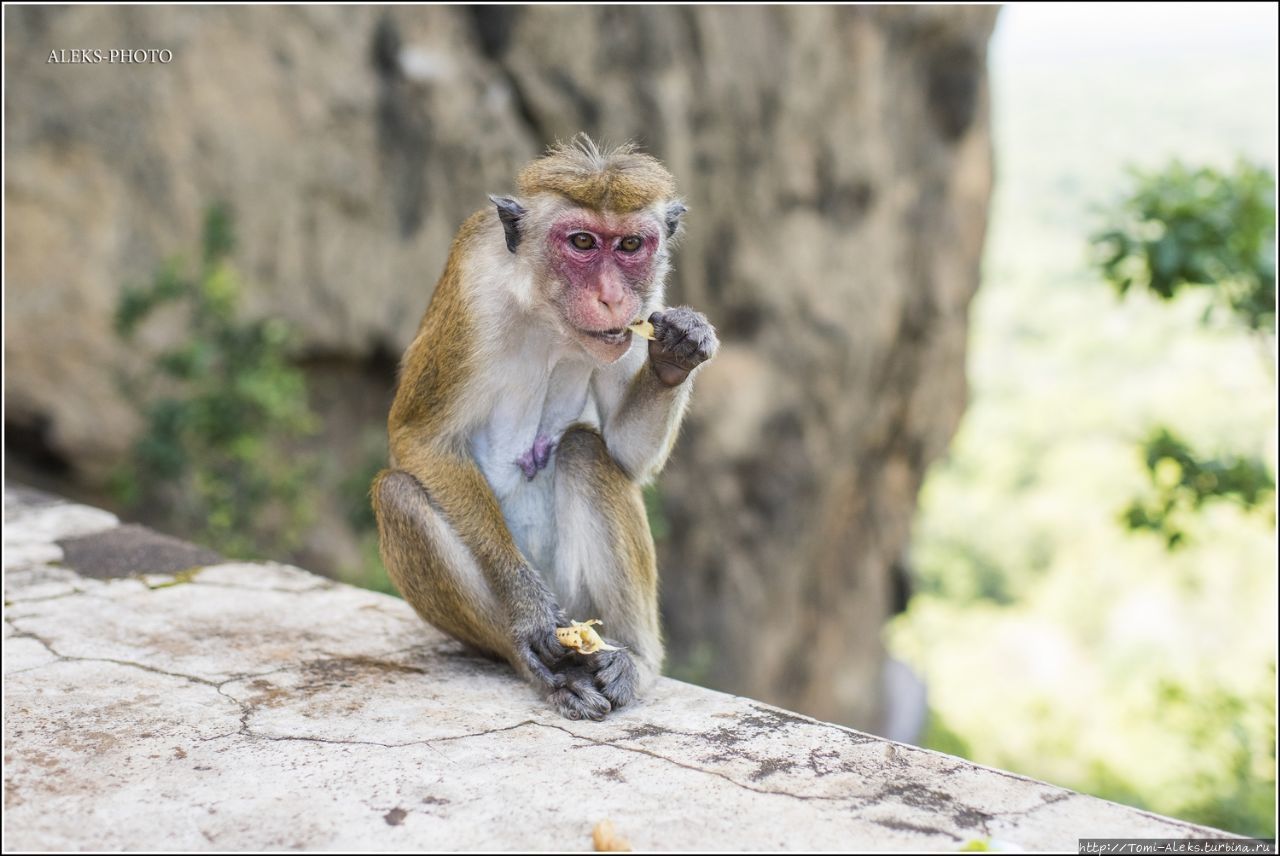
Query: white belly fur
(541,389)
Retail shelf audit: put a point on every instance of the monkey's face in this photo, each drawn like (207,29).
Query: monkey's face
(604,270)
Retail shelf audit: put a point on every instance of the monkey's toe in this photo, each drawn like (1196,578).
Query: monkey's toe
(578,700)
(617,679)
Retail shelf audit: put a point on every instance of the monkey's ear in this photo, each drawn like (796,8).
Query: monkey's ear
(674,210)
(509,212)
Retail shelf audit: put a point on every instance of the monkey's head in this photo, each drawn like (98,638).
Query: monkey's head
(596,228)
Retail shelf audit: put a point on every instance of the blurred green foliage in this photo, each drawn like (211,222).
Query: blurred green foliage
(1180,227)
(659,524)
(1182,482)
(353,489)
(222,409)
(1233,785)
(1054,642)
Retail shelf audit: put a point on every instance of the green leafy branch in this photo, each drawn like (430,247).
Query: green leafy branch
(223,410)
(1182,227)
(1182,483)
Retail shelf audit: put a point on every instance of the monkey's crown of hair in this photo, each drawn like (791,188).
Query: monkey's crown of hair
(618,179)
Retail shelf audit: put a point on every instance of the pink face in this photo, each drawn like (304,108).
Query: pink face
(606,264)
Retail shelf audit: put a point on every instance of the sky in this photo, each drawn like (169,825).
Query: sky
(1052,32)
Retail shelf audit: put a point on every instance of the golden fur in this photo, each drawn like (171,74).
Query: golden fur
(619,179)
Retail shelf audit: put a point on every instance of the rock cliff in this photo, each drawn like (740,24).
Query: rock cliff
(837,166)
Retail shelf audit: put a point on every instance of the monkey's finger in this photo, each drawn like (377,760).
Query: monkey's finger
(661,352)
(709,345)
(572,705)
(549,649)
(684,318)
(687,348)
(698,346)
(593,703)
(539,671)
(617,679)
(664,326)
(671,336)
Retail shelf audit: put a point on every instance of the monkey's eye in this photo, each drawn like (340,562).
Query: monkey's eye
(582,240)
(630,244)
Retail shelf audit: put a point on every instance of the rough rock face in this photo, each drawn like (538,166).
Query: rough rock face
(836,162)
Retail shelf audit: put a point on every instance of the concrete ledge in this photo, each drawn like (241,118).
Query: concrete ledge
(256,706)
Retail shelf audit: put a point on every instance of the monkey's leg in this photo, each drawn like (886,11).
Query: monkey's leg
(432,568)
(440,578)
(605,562)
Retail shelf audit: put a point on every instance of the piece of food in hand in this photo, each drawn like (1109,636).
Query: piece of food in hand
(606,840)
(643,329)
(583,638)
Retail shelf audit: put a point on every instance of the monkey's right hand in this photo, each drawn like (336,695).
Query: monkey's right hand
(682,340)
(536,646)
(569,686)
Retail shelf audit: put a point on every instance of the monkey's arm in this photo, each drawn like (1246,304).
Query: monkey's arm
(640,427)
(458,489)
(641,414)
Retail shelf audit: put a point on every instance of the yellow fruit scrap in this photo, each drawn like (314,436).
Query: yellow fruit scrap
(583,638)
(606,840)
(643,329)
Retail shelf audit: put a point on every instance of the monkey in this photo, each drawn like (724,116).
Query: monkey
(527,418)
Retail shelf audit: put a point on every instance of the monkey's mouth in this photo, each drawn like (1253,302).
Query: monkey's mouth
(611,337)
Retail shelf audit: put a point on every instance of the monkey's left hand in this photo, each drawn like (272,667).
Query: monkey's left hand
(615,674)
(682,340)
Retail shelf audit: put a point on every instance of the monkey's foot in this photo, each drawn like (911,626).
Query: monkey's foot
(538,456)
(616,676)
(578,698)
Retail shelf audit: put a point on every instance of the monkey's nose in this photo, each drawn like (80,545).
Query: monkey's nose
(610,301)
(611,292)
(614,314)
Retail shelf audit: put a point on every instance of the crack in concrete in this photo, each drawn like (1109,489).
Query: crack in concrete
(247,731)
(321,586)
(851,798)
(24,600)
(190,576)
(247,710)
(487,731)
(426,741)
(19,633)
(904,826)
(27,634)
(856,802)
(964,818)
(237,733)
(289,738)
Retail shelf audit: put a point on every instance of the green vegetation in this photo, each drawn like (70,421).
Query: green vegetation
(1056,641)
(1183,228)
(222,407)
(353,490)
(1182,482)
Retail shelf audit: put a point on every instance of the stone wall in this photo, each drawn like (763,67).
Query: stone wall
(158,699)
